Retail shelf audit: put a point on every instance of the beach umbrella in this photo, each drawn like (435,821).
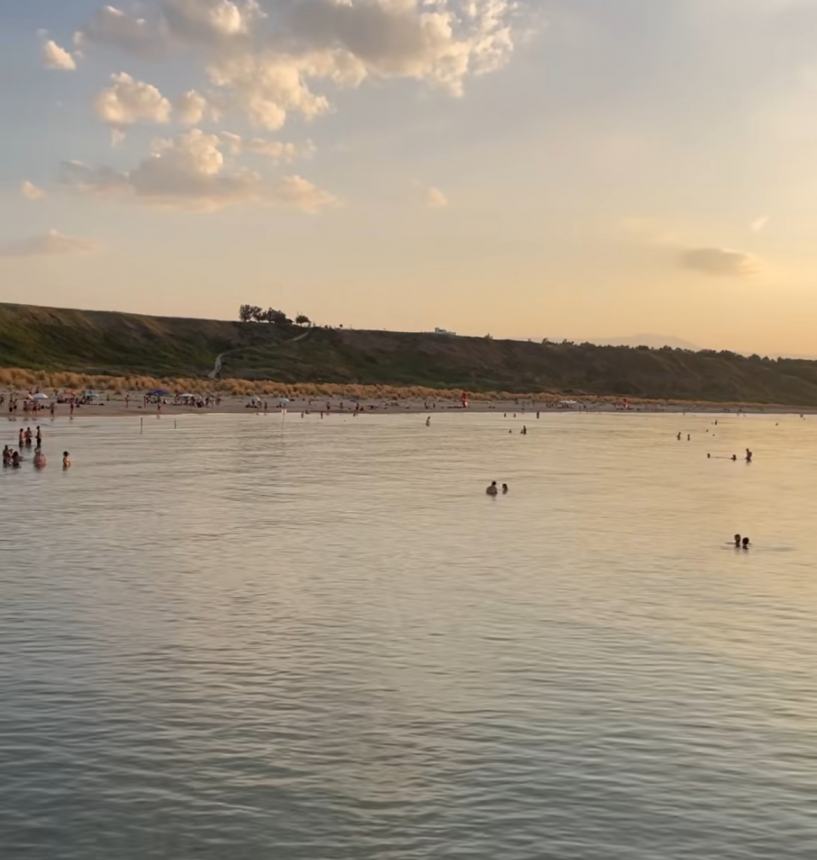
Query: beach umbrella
(40,396)
(159,392)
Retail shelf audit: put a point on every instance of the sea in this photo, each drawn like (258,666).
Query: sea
(252,637)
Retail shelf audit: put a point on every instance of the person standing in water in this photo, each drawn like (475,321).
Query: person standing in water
(746,543)
(39,437)
(748,456)
(504,489)
(66,460)
(428,421)
(737,541)
(492,490)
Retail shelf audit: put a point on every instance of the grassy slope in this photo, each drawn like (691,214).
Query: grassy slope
(105,342)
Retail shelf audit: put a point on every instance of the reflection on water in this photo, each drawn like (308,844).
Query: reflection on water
(255,637)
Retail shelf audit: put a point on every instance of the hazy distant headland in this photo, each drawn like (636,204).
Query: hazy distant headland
(119,344)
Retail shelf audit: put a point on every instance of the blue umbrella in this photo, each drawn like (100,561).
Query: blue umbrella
(159,392)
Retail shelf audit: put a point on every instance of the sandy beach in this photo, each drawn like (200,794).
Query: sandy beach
(114,405)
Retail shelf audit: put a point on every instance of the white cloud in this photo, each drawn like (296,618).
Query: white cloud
(718,262)
(435,199)
(31,191)
(211,19)
(192,107)
(267,86)
(190,172)
(52,243)
(128,101)
(55,57)
(272,66)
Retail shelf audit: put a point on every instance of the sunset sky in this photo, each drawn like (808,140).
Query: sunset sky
(562,168)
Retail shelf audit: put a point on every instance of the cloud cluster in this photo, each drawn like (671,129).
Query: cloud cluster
(269,64)
(191,172)
(265,61)
(718,262)
(52,243)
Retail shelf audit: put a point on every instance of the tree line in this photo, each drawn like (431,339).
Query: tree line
(254,313)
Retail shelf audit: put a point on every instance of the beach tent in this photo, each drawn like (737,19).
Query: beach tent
(186,396)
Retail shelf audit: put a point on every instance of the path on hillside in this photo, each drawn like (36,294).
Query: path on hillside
(219,362)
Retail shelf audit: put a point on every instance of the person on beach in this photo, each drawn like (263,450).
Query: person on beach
(492,489)
(66,460)
(737,541)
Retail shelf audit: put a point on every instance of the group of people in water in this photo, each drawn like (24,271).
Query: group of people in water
(493,490)
(13,457)
(741,543)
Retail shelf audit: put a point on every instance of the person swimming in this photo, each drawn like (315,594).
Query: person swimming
(737,541)
(492,490)
(15,459)
(746,543)
(40,460)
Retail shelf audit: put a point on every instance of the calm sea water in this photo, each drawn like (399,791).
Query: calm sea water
(246,638)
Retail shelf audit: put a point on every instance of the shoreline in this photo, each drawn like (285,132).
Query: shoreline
(115,407)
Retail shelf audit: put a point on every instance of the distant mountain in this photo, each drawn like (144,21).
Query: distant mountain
(652,340)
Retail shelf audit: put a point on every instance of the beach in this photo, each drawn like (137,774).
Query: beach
(115,405)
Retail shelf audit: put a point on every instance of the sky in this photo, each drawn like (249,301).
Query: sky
(527,168)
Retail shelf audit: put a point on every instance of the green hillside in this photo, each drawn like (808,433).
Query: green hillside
(125,344)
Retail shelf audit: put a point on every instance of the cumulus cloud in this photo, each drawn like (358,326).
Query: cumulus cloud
(434,198)
(52,243)
(31,191)
(128,101)
(192,107)
(211,19)
(268,86)
(190,172)
(55,57)
(271,66)
(718,262)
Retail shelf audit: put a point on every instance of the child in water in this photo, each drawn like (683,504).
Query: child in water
(66,460)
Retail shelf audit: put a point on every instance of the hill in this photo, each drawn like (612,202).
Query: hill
(100,342)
